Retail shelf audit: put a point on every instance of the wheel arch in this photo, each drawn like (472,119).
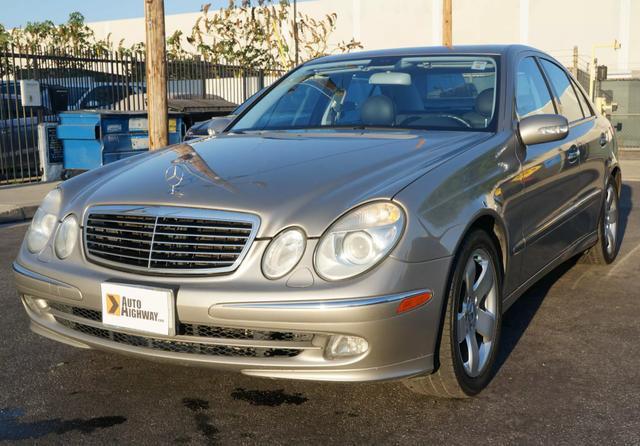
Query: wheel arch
(490,222)
(616,173)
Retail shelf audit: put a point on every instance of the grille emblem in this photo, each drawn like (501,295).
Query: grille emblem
(174,176)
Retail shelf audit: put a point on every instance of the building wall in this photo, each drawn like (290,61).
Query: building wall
(551,25)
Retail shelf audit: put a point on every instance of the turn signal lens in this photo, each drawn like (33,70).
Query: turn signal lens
(411,302)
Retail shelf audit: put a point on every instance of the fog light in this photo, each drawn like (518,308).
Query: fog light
(341,346)
(41,303)
(35,304)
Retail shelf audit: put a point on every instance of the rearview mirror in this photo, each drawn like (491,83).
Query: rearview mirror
(390,78)
(537,129)
(218,125)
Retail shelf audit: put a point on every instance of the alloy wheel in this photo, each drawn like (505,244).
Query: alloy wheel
(610,221)
(476,318)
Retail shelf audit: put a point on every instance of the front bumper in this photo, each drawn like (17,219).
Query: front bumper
(269,335)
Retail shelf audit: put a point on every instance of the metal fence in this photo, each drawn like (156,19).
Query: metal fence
(626,94)
(107,81)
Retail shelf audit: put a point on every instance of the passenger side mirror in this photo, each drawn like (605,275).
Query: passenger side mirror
(218,125)
(538,129)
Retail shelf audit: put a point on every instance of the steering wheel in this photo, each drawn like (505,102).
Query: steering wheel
(458,119)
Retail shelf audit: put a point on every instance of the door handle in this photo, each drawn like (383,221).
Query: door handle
(603,139)
(573,154)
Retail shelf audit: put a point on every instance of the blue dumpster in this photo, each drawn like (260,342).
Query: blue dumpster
(93,138)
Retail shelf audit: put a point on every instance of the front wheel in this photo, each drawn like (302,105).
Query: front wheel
(471,326)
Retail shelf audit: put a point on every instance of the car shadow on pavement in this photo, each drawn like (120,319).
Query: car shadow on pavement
(516,320)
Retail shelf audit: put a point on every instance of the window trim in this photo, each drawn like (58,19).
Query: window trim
(544,78)
(554,93)
(580,93)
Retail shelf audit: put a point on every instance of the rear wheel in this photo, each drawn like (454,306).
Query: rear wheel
(471,327)
(605,250)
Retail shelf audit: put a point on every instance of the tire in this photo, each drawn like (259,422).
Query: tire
(457,375)
(606,248)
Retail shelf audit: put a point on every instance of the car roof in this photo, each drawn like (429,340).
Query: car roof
(427,50)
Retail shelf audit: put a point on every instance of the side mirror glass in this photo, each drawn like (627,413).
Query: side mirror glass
(538,129)
(218,125)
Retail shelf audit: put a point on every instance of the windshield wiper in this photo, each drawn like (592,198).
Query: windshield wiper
(366,127)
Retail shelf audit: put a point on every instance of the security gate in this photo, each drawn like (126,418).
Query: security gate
(96,79)
(19,119)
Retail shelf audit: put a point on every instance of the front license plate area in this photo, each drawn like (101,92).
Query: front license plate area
(140,309)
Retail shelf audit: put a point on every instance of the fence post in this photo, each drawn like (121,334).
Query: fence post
(260,80)
(244,84)
(203,80)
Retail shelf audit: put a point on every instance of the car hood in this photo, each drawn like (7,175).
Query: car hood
(286,178)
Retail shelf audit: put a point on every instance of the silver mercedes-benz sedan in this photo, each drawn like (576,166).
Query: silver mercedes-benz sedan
(370,216)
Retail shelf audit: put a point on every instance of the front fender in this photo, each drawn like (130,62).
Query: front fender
(443,204)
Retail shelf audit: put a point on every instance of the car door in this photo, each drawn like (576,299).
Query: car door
(595,155)
(588,139)
(550,175)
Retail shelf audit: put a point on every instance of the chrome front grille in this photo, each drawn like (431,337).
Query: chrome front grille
(167,239)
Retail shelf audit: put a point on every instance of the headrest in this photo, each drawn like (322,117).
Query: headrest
(484,102)
(378,110)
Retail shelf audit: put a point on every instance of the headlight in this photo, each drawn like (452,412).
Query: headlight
(67,236)
(44,221)
(359,240)
(283,253)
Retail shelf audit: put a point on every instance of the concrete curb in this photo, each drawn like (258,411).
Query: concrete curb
(629,154)
(17,214)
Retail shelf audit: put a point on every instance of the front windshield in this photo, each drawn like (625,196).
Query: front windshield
(418,92)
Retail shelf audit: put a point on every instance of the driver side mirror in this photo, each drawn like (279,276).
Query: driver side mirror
(538,129)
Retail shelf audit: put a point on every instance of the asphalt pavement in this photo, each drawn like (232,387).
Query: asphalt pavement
(569,374)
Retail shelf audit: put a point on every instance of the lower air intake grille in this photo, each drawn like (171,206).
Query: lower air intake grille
(178,346)
(61,312)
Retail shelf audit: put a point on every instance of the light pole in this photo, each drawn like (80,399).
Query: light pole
(593,69)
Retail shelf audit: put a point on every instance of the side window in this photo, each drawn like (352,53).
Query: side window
(586,110)
(532,94)
(564,90)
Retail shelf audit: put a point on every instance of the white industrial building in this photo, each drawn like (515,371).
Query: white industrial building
(555,26)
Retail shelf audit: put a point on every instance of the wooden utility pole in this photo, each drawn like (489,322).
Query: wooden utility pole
(295,29)
(156,66)
(447,25)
